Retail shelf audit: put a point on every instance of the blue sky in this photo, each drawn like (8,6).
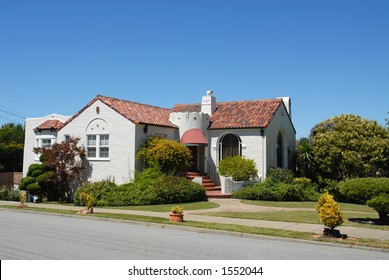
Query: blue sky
(330,56)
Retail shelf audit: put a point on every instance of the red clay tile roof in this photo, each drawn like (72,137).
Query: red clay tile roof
(54,125)
(136,112)
(228,115)
(238,114)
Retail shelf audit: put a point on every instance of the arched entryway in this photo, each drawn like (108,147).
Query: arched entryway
(230,145)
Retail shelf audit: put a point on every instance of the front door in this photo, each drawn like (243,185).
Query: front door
(194,166)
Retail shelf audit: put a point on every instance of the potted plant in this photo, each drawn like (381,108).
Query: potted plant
(177,214)
(88,200)
(22,199)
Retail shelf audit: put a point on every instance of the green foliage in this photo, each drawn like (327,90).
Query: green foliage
(239,168)
(329,211)
(150,187)
(39,181)
(363,189)
(11,147)
(9,195)
(270,191)
(34,189)
(171,156)
(348,146)
(25,182)
(305,159)
(279,175)
(380,204)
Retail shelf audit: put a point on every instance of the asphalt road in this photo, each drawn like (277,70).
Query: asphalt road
(35,236)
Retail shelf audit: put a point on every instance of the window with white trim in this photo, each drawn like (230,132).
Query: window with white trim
(43,142)
(98,146)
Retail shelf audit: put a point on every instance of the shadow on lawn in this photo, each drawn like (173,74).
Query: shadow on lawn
(370,221)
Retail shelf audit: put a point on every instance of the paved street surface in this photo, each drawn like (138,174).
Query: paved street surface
(36,236)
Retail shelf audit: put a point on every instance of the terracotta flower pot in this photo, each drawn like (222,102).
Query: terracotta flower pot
(176,217)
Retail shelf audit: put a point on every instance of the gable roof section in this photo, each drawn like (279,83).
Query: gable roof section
(135,112)
(238,114)
(53,125)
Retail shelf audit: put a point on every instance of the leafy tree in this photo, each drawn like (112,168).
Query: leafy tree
(348,146)
(171,156)
(305,159)
(65,159)
(11,147)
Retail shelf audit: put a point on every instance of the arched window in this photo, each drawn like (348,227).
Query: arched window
(280,149)
(230,145)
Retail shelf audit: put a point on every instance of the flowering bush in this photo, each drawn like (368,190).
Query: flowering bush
(329,211)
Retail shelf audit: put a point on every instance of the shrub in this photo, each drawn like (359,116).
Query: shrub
(9,194)
(100,191)
(171,156)
(329,211)
(239,168)
(363,189)
(34,189)
(279,176)
(143,191)
(381,205)
(171,189)
(25,182)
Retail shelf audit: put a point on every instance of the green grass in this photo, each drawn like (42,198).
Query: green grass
(224,227)
(302,216)
(167,207)
(308,204)
(156,208)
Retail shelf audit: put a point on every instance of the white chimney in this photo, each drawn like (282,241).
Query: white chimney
(208,103)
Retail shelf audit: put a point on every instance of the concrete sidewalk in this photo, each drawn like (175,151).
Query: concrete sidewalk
(232,205)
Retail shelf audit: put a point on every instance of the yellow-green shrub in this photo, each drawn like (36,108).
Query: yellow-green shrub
(329,211)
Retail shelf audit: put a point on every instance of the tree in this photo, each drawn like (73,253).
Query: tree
(65,159)
(171,156)
(11,147)
(348,146)
(305,159)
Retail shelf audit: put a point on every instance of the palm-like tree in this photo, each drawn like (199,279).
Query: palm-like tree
(305,160)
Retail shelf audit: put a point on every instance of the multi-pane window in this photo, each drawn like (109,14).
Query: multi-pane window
(46,143)
(98,146)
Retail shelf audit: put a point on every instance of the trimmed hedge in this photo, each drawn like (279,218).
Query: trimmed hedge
(277,192)
(380,204)
(162,190)
(363,189)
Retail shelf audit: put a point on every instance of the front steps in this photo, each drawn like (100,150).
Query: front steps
(212,191)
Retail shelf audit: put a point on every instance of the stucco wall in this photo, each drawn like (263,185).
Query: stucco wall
(30,142)
(121,162)
(280,123)
(251,147)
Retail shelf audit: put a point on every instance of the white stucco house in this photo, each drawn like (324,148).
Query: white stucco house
(112,130)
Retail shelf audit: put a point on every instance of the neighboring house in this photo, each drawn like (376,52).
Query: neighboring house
(112,130)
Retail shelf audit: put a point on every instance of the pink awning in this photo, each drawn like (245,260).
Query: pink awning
(194,136)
